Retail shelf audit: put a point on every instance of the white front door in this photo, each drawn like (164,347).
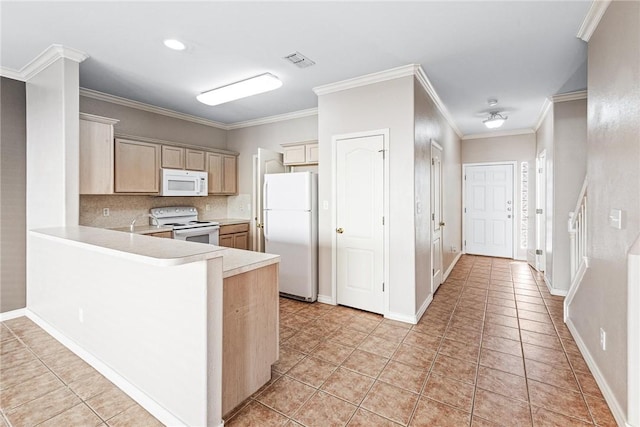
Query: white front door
(267,161)
(437,222)
(359,222)
(489,210)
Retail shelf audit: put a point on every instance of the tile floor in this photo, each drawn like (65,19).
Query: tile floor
(490,350)
(44,384)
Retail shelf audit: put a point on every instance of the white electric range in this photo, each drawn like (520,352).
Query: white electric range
(184,220)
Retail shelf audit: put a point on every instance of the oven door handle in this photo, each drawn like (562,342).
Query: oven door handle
(195,231)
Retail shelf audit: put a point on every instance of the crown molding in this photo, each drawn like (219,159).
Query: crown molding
(421,76)
(591,21)
(101,96)
(42,61)
(569,96)
(274,119)
(98,119)
(498,134)
(382,76)
(546,105)
(394,73)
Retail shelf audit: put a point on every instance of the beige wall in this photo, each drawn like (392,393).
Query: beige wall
(512,148)
(13,142)
(247,140)
(152,125)
(377,106)
(570,159)
(430,124)
(613,159)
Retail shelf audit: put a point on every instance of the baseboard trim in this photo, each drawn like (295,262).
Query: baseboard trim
(575,285)
(410,319)
(450,269)
(134,392)
(326,299)
(425,305)
(8,315)
(614,405)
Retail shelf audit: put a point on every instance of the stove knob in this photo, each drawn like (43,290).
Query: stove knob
(177,210)
(161,212)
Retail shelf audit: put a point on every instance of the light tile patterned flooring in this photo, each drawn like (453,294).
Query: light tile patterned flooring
(42,383)
(491,350)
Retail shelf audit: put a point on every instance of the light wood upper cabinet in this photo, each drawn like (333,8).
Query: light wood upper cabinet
(172,157)
(137,166)
(300,153)
(195,160)
(223,173)
(96,154)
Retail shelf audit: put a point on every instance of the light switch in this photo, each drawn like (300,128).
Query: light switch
(325,205)
(615,218)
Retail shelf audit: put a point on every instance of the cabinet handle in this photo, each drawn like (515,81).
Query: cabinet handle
(339,230)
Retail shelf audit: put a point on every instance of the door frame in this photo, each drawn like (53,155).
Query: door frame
(541,203)
(516,203)
(435,144)
(385,188)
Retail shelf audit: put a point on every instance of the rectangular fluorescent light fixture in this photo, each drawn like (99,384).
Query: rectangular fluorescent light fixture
(242,89)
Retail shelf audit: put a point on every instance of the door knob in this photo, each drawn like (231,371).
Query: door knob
(259,225)
(442,224)
(339,230)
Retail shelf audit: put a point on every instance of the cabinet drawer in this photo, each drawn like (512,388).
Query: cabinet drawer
(234,228)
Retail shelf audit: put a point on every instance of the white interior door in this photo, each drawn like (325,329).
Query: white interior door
(437,222)
(359,221)
(267,161)
(541,208)
(489,210)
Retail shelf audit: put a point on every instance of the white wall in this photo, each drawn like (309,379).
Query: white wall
(52,146)
(518,148)
(613,159)
(544,141)
(144,326)
(376,106)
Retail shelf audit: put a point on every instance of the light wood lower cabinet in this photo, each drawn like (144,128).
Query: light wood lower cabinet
(249,332)
(163,234)
(234,236)
(137,166)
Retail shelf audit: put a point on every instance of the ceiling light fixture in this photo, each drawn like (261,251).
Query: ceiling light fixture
(242,89)
(174,44)
(495,120)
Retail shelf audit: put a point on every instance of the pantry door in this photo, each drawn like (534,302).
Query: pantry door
(267,161)
(359,220)
(489,209)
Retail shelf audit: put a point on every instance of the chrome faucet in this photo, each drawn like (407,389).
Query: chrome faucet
(152,216)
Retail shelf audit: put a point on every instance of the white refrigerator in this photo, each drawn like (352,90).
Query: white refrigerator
(291,230)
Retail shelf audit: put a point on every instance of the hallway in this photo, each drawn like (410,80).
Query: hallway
(491,349)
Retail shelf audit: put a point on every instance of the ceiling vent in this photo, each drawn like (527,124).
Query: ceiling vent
(299,60)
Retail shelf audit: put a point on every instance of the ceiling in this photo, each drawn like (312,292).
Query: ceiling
(520,52)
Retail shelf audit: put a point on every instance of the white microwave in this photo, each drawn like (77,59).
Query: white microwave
(177,182)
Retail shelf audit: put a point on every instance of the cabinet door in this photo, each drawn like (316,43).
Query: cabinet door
(172,157)
(241,241)
(311,153)
(226,241)
(294,155)
(96,157)
(230,175)
(214,170)
(195,160)
(137,167)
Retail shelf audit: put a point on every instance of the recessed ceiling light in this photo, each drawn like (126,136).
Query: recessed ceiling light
(248,87)
(174,44)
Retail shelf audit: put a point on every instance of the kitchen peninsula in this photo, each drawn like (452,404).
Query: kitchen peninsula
(188,330)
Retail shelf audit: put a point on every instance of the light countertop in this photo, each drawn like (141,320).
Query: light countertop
(231,221)
(150,250)
(145,229)
(238,261)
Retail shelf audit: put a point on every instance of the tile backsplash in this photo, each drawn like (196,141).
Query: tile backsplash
(122,209)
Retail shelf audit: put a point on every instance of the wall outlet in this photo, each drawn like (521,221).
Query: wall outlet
(81,315)
(454,249)
(105,211)
(207,207)
(603,340)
